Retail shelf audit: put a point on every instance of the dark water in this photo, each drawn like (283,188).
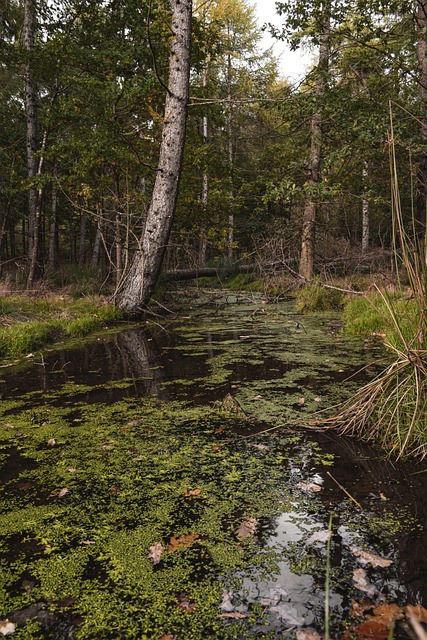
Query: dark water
(281,368)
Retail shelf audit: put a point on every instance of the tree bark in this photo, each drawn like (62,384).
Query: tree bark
(139,283)
(230,155)
(306,265)
(365,208)
(31,109)
(421,53)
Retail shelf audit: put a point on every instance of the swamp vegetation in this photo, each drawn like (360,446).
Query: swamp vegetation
(160,482)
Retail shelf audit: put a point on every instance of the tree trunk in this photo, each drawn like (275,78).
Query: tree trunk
(203,241)
(230,159)
(365,208)
(53,228)
(421,52)
(35,246)
(306,265)
(139,283)
(94,263)
(31,109)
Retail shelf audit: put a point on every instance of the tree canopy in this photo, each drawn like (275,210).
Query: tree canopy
(82,93)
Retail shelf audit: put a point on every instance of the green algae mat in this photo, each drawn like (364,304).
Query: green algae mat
(144,507)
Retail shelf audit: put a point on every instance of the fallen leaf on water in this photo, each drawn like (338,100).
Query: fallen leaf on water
(7,628)
(24,485)
(318,536)
(371,558)
(134,423)
(307,634)
(155,552)
(362,583)
(246,528)
(51,442)
(388,613)
(358,608)
(185,603)
(261,447)
(190,493)
(220,429)
(416,611)
(232,614)
(371,629)
(226,603)
(309,486)
(186,540)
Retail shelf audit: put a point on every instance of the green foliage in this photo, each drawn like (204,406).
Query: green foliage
(316,297)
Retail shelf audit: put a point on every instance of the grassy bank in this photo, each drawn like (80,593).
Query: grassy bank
(28,323)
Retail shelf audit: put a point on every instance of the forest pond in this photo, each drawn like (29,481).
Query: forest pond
(164,481)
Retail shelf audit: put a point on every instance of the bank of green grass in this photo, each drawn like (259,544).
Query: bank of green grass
(373,315)
(29,324)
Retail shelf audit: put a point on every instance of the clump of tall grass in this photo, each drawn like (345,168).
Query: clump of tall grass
(391,410)
(316,297)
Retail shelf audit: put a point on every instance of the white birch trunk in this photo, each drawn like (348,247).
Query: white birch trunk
(139,283)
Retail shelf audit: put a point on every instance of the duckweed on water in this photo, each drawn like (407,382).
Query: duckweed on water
(91,488)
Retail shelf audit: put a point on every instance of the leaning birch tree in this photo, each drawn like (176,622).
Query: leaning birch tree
(138,283)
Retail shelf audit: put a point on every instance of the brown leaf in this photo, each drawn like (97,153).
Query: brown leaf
(416,611)
(87,542)
(232,614)
(190,493)
(7,628)
(134,423)
(167,636)
(113,490)
(71,470)
(301,401)
(155,552)
(388,613)
(62,492)
(220,429)
(51,442)
(24,485)
(358,608)
(261,447)
(247,528)
(185,603)
(216,448)
(371,629)
(371,558)
(362,583)
(309,486)
(307,634)
(186,540)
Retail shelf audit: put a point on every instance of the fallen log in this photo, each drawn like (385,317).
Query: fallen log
(207,272)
